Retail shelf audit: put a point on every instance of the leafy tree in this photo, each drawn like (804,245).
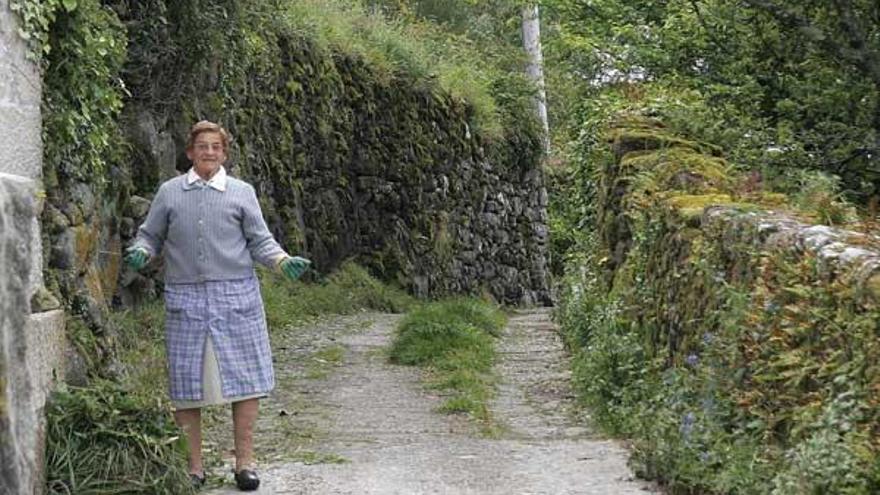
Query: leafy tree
(784,83)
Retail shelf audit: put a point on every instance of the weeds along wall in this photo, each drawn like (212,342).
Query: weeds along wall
(733,339)
(349,160)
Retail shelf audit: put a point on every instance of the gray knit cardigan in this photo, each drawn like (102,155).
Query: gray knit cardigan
(207,234)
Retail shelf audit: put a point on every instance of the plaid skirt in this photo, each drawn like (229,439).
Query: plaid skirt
(231,313)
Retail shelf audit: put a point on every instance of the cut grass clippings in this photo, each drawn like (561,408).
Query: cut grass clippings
(103,439)
(455,340)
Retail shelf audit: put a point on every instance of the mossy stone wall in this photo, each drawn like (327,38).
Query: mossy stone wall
(759,330)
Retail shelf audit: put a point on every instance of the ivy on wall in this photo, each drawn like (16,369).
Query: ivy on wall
(81,47)
(36,19)
(83,94)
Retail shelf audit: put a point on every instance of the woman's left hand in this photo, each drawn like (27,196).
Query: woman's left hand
(294,266)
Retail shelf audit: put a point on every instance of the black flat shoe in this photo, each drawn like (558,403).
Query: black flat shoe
(197,481)
(247,480)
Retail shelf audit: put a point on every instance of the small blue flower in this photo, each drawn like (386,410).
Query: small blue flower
(692,360)
(687,424)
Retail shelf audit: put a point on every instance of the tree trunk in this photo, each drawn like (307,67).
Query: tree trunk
(532,43)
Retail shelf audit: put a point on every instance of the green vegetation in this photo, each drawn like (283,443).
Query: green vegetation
(455,341)
(388,44)
(83,96)
(782,85)
(345,291)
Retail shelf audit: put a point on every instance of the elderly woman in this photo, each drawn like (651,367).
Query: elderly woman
(212,231)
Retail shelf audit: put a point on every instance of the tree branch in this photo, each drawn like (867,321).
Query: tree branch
(702,20)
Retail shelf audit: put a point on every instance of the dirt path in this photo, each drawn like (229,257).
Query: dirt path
(344,421)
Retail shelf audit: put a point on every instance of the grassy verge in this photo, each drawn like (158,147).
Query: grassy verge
(346,291)
(117,435)
(455,340)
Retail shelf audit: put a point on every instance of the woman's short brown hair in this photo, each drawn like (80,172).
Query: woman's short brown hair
(207,126)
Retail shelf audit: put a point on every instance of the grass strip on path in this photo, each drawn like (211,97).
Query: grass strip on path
(455,340)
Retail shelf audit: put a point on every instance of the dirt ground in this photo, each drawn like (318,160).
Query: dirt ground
(345,421)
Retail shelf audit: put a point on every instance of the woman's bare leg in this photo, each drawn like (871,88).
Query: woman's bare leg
(190,421)
(244,414)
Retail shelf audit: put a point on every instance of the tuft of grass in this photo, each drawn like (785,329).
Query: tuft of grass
(139,348)
(346,291)
(819,194)
(455,340)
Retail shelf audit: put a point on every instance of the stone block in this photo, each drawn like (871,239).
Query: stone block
(20,96)
(16,417)
(137,207)
(46,364)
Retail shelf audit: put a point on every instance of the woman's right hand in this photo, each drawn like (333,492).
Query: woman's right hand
(137,258)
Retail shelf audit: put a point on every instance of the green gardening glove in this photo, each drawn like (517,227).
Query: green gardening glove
(293,266)
(137,258)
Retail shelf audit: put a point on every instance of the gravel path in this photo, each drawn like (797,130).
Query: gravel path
(362,426)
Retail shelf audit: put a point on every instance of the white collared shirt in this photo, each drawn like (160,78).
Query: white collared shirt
(217,181)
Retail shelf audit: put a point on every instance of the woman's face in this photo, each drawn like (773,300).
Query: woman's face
(207,153)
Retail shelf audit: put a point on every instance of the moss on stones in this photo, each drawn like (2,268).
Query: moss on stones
(677,168)
(85,239)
